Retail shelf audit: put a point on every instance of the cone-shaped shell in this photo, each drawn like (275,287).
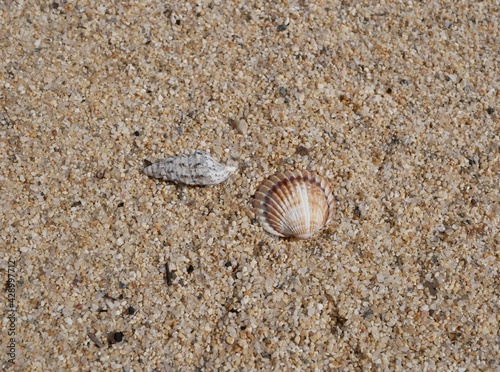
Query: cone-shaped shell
(198,168)
(294,204)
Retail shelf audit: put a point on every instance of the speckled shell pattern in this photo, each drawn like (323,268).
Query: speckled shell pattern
(198,168)
(294,204)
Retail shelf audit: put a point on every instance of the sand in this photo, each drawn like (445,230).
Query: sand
(395,104)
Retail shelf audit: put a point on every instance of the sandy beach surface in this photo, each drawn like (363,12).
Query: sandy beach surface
(395,104)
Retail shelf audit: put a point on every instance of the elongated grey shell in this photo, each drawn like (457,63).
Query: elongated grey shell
(294,204)
(198,168)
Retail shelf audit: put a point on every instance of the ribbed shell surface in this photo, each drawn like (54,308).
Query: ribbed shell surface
(294,204)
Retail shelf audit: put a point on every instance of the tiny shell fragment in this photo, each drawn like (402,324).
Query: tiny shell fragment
(198,168)
(96,341)
(241,126)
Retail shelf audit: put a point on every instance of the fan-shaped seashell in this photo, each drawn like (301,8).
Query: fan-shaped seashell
(294,204)
(198,168)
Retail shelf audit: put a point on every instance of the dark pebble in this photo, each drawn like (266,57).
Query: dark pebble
(100,174)
(282,27)
(302,150)
(118,336)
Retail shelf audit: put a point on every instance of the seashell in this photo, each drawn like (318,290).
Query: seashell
(294,204)
(198,168)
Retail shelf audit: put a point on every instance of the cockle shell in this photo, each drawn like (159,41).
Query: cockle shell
(198,168)
(294,204)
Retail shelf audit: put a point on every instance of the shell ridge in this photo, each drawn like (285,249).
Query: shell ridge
(280,191)
(306,201)
(293,215)
(278,197)
(326,195)
(329,199)
(267,222)
(275,211)
(273,197)
(290,197)
(266,200)
(302,218)
(285,187)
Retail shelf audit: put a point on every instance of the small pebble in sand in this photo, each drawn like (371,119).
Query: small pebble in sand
(118,337)
(114,337)
(168,275)
(198,168)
